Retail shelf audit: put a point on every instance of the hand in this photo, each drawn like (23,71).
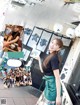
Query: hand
(6,44)
(58,100)
(37,58)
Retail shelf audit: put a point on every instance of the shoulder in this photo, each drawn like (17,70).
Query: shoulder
(54,62)
(55,57)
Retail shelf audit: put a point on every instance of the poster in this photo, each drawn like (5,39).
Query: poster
(34,37)
(26,54)
(44,40)
(35,53)
(12,38)
(55,36)
(66,42)
(27,33)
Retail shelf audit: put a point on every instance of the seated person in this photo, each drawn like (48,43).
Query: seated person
(12,79)
(21,78)
(17,78)
(7,81)
(13,38)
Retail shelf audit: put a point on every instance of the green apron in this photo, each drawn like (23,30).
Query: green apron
(50,88)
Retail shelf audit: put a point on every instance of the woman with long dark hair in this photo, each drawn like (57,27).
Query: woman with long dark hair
(50,67)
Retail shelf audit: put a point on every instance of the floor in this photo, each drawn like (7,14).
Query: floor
(27,95)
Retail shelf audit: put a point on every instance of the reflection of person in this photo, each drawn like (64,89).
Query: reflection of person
(50,66)
(14,37)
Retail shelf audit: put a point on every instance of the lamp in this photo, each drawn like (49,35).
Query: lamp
(77,31)
(70,33)
(58,28)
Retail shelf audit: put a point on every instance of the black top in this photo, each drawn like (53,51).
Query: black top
(53,64)
(15,34)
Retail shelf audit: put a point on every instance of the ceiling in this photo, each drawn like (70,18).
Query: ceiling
(44,14)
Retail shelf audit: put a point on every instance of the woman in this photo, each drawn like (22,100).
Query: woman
(14,37)
(50,66)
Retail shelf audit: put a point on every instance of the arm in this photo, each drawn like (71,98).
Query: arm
(40,63)
(7,43)
(14,40)
(9,38)
(39,59)
(58,86)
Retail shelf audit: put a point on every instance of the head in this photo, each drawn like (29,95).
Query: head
(16,29)
(11,70)
(55,45)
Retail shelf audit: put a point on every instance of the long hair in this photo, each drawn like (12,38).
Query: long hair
(47,59)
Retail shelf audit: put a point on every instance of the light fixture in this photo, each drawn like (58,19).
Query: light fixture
(70,33)
(58,28)
(14,63)
(77,31)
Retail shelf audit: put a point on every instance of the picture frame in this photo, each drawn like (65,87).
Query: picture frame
(34,37)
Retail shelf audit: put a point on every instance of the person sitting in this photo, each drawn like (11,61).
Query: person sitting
(13,38)
(21,78)
(12,80)
(7,81)
(17,79)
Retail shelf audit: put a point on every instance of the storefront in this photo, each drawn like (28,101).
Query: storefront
(39,23)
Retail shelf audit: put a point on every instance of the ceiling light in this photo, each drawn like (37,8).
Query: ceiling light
(77,31)
(70,33)
(58,28)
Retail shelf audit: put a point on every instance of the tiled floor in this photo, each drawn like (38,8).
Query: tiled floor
(18,95)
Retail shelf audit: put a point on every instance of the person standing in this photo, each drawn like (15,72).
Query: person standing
(50,67)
